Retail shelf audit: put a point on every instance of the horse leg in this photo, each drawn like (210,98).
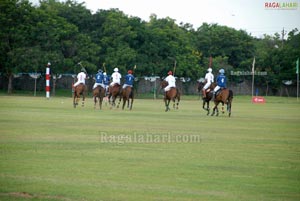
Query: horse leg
(173,100)
(127,99)
(124,102)
(119,101)
(113,101)
(223,108)
(131,103)
(207,109)
(74,100)
(83,98)
(167,102)
(229,108)
(203,105)
(95,101)
(215,109)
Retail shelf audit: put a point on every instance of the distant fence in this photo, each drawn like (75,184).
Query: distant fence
(142,85)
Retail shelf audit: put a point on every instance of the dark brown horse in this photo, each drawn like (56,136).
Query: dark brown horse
(114,92)
(98,93)
(172,94)
(79,90)
(209,94)
(225,96)
(126,95)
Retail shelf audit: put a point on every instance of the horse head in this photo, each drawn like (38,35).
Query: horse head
(201,83)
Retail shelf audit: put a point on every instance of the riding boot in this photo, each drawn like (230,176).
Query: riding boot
(203,94)
(214,96)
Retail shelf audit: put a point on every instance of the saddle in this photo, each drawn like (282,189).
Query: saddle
(220,90)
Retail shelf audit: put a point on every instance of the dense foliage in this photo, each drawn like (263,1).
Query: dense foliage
(66,33)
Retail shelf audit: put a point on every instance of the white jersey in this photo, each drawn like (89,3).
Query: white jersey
(116,78)
(81,77)
(171,81)
(209,77)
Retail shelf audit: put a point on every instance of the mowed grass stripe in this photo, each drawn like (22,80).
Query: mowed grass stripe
(54,152)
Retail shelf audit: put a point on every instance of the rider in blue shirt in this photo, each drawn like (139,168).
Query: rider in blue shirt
(99,79)
(106,80)
(221,82)
(129,79)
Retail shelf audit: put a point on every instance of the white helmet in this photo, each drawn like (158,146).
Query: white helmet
(104,73)
(209,70)
(116,69)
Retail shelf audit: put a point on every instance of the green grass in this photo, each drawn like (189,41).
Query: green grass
(51,151)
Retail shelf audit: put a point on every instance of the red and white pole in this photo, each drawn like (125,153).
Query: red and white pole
(48,80)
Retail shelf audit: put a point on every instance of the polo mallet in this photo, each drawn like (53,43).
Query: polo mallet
(104,67)
(174,69)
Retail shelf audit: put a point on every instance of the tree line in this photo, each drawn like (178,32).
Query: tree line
(67,33)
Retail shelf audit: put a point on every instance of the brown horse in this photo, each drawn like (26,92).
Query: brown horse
(79,90)
(225,96)
(172,94)
(126,94)
(114,92)
(98,93)
(208,93)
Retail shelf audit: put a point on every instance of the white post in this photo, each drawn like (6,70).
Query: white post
(298,86)
(253,65)
(48,80)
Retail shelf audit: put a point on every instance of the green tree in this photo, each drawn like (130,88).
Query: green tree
(15,23)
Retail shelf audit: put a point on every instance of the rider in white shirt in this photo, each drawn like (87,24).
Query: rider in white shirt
(171,81)
(116,77)
(81,77)
(209,78)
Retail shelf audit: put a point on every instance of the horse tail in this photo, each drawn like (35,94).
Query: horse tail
(230,94)
(229,100)
(178,95)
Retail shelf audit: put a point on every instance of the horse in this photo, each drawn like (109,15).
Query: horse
(114,92)
(172,94)
(126,94)
(208,93)
(79,90)
(225,96)
(98,93)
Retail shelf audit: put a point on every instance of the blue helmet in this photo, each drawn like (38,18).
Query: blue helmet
(222,71)
(100,71)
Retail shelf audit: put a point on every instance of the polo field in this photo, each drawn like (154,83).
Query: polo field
(53,151)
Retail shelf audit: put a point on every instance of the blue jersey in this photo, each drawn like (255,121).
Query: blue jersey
(221,81)
(106,79)
(99,78)
(129,78)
